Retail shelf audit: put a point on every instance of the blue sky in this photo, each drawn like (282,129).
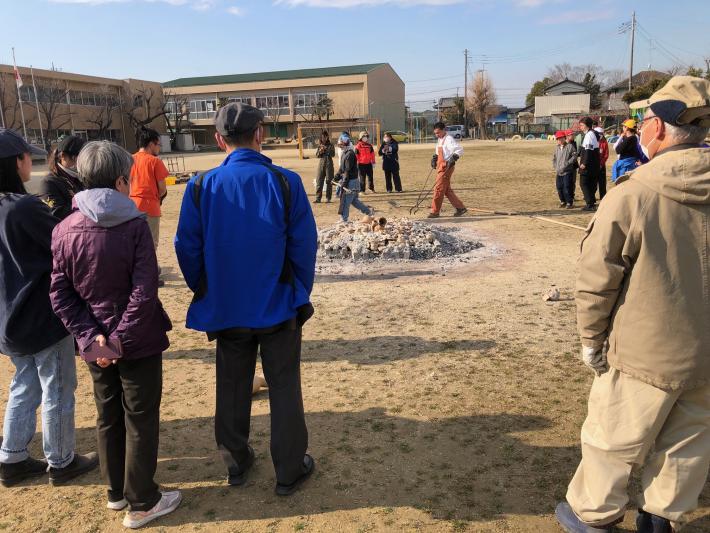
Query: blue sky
(516,40)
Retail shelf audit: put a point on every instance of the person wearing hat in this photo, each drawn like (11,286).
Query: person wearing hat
(57,189)
(31,335)
(589,163)
(365,153)
(643,309)
(246,243)
(603,158)
(628,149)
(349,185)
(563,161)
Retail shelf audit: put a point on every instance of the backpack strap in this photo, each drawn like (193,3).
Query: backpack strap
(287,275)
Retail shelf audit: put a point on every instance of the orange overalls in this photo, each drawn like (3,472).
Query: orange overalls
(442,187)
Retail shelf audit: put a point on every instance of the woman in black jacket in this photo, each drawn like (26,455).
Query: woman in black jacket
(390,163)
(31,335)
(58,188)
(325,153)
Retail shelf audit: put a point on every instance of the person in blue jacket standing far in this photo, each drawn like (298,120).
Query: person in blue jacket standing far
(246,244)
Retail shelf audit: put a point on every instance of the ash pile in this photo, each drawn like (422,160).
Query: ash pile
(397,239)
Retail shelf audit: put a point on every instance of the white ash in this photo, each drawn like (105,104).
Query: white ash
(397,239)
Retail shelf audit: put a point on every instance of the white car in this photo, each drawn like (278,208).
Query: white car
(457,131)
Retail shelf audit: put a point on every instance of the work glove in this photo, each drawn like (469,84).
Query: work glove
(434,160)
(452,161)
(595,358)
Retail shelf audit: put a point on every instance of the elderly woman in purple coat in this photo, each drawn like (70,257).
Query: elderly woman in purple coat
(104,288)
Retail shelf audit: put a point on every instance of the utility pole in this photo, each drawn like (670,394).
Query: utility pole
(465,91)
(633,40)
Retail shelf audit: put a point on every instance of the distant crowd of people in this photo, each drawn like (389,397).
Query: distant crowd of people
(79,275)
(586,151)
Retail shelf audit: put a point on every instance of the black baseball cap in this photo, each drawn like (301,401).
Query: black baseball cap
(236,118)
(71,145)
(12,143)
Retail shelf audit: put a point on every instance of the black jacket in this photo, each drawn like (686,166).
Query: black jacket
(628,147)
(591,161)
(390,156)
(57,191)
(27,323)
(348,165)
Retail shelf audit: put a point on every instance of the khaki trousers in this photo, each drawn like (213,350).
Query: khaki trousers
(154,225)
(629,421)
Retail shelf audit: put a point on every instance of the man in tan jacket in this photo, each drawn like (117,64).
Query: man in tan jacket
(643,312)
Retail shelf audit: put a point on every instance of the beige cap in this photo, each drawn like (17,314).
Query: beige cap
(683,100)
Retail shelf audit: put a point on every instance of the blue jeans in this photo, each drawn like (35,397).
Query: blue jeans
(352,197)
(48,378)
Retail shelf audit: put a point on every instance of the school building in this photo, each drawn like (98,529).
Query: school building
(66,103)
(291,97)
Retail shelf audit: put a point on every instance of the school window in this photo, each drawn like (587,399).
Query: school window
(203,109)
(305,102)
(239,100)
(273,105)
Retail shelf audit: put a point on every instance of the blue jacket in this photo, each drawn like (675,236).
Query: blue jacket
(237,242)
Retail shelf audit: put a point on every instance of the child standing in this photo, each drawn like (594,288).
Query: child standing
(365,161)
(563,161)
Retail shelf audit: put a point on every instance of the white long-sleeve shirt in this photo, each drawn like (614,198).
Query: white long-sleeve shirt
(450,146)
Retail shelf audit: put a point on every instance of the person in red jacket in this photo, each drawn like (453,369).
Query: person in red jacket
(365,153)
(603,156)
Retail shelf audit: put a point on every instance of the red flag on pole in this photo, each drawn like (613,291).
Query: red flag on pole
(18,78)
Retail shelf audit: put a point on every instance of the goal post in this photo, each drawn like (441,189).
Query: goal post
(309,133)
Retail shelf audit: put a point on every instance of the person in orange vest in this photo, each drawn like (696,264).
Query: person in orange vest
(448,151)
(365,153)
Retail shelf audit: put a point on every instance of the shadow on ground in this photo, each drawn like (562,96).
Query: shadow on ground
(367,351)
(467,468)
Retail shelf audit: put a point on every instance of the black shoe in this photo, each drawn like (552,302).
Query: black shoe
(650,523)
(588,208)
(316,201)
(461,212)
(81,464)
(13,473)
(238,476)
(389,192)
(308,466)
(433,215)
(563,204)
(328,201)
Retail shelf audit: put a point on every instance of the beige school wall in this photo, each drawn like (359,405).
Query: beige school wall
(76,117)
(379,93)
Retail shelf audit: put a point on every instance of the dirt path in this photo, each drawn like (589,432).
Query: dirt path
(452,403)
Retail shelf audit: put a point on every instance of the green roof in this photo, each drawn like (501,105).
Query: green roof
(274,76)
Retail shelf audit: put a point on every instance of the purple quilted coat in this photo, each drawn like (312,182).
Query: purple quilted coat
(105,275)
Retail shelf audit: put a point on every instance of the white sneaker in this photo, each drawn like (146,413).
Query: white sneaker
(167,504)
(120,505)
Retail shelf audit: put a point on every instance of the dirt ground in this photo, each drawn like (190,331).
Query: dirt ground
(453,403)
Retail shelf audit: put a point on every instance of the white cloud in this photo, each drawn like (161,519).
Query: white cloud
(237,11)
(344,4)
(200,5)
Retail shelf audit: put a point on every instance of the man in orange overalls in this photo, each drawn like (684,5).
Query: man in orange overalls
(448,151)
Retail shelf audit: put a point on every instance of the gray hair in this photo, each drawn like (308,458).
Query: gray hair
(687,134)
(101,163)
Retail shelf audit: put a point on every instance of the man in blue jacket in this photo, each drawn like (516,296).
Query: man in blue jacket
(246,244)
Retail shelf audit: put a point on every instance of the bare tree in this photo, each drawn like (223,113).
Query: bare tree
(323,108)
(53,108)
(577,73)
(273,111)
(142,106)
(350,112)
(482,98)
(103,113)
(8,101)
(177,118)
